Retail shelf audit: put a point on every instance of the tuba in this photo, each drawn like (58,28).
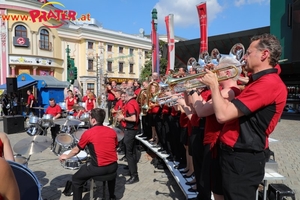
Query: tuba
(141,99)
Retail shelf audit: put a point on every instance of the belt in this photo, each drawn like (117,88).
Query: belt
(225,147)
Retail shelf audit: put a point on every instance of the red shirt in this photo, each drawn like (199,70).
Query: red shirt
(89,104)
(110,96)
(56,109)
(166,110)
(101,142)
(84,98)
(174,112)
(262,102)
(213,128)
(130,108)
(195,120)
(137,91)
(70,103)
(183,120)
(118,106)
(30,98)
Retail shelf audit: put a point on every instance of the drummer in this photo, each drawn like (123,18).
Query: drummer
(5,147)
(54,110)
(101,142)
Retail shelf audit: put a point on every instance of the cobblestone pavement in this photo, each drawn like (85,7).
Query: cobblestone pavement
(159,184)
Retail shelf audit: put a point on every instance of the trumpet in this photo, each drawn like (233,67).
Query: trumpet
(170,102)
(172,82)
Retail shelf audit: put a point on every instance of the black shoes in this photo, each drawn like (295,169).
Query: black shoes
(190,183)
(183,172)
(132,179)
(192,190)
(180,166)
(188,176)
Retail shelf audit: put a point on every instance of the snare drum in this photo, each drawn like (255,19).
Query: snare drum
(21,160)
(63,142)
(77,135)
(47,120)
(76,161)
(85,117)
(34,120)
(29,185)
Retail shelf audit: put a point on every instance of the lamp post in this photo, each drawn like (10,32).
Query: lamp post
(99,72)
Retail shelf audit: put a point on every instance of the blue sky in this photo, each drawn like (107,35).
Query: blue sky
(128,16)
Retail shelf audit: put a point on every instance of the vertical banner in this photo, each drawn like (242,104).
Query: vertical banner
(171,42)
(202,14)
(154,47)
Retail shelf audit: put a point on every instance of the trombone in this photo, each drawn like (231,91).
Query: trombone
(172,82)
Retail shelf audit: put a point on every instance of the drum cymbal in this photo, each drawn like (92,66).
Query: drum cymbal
(31,145)
(78,108)
(38,108)
(67,122)
(120,133)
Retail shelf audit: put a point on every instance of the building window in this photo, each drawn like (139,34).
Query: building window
(91,87)
(121,67)
(90,65)
(109,48)
(131,52)
(44,40)
(131,68)
(109,66)
(90,45)
(21,31)
(120,49)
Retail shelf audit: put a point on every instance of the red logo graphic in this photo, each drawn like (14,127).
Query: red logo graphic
(21,41)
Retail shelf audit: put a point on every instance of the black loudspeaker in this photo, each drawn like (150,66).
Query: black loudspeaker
(13,124)
(11,85)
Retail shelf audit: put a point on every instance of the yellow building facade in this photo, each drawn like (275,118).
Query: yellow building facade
(102,55)
(37,48)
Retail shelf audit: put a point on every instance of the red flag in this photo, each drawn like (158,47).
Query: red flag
(171,41)
(154,47)
(202,14)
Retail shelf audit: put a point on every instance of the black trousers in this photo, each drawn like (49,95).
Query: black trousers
(146,127)
(130,150)
(110,105)
(242,172)
(54,132)
(88,171)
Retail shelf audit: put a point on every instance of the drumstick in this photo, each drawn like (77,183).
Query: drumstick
(78,159)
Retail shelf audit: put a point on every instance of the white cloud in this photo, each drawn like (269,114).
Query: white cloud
(185,11)
(243,2)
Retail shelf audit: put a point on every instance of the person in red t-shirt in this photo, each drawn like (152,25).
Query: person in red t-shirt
(30,102)
(84,98)
(130,121)
(90,102)
(54,110)
(111,100)
(5,147)
(70,102)
(101,142)
(9,188)
(137,88)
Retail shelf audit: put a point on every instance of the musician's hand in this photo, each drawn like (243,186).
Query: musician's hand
(210,78)
(63,157)
(120,117)
(181,102)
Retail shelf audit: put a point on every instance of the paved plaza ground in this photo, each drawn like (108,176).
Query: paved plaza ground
(159,184)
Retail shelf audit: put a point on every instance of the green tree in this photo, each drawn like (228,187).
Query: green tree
(147,70)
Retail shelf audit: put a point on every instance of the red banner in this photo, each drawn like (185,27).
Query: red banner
(171,42)
(154,47)
(202,14)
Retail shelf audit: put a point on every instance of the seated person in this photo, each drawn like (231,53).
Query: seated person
(5,148)
(101,142)
(9,188)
